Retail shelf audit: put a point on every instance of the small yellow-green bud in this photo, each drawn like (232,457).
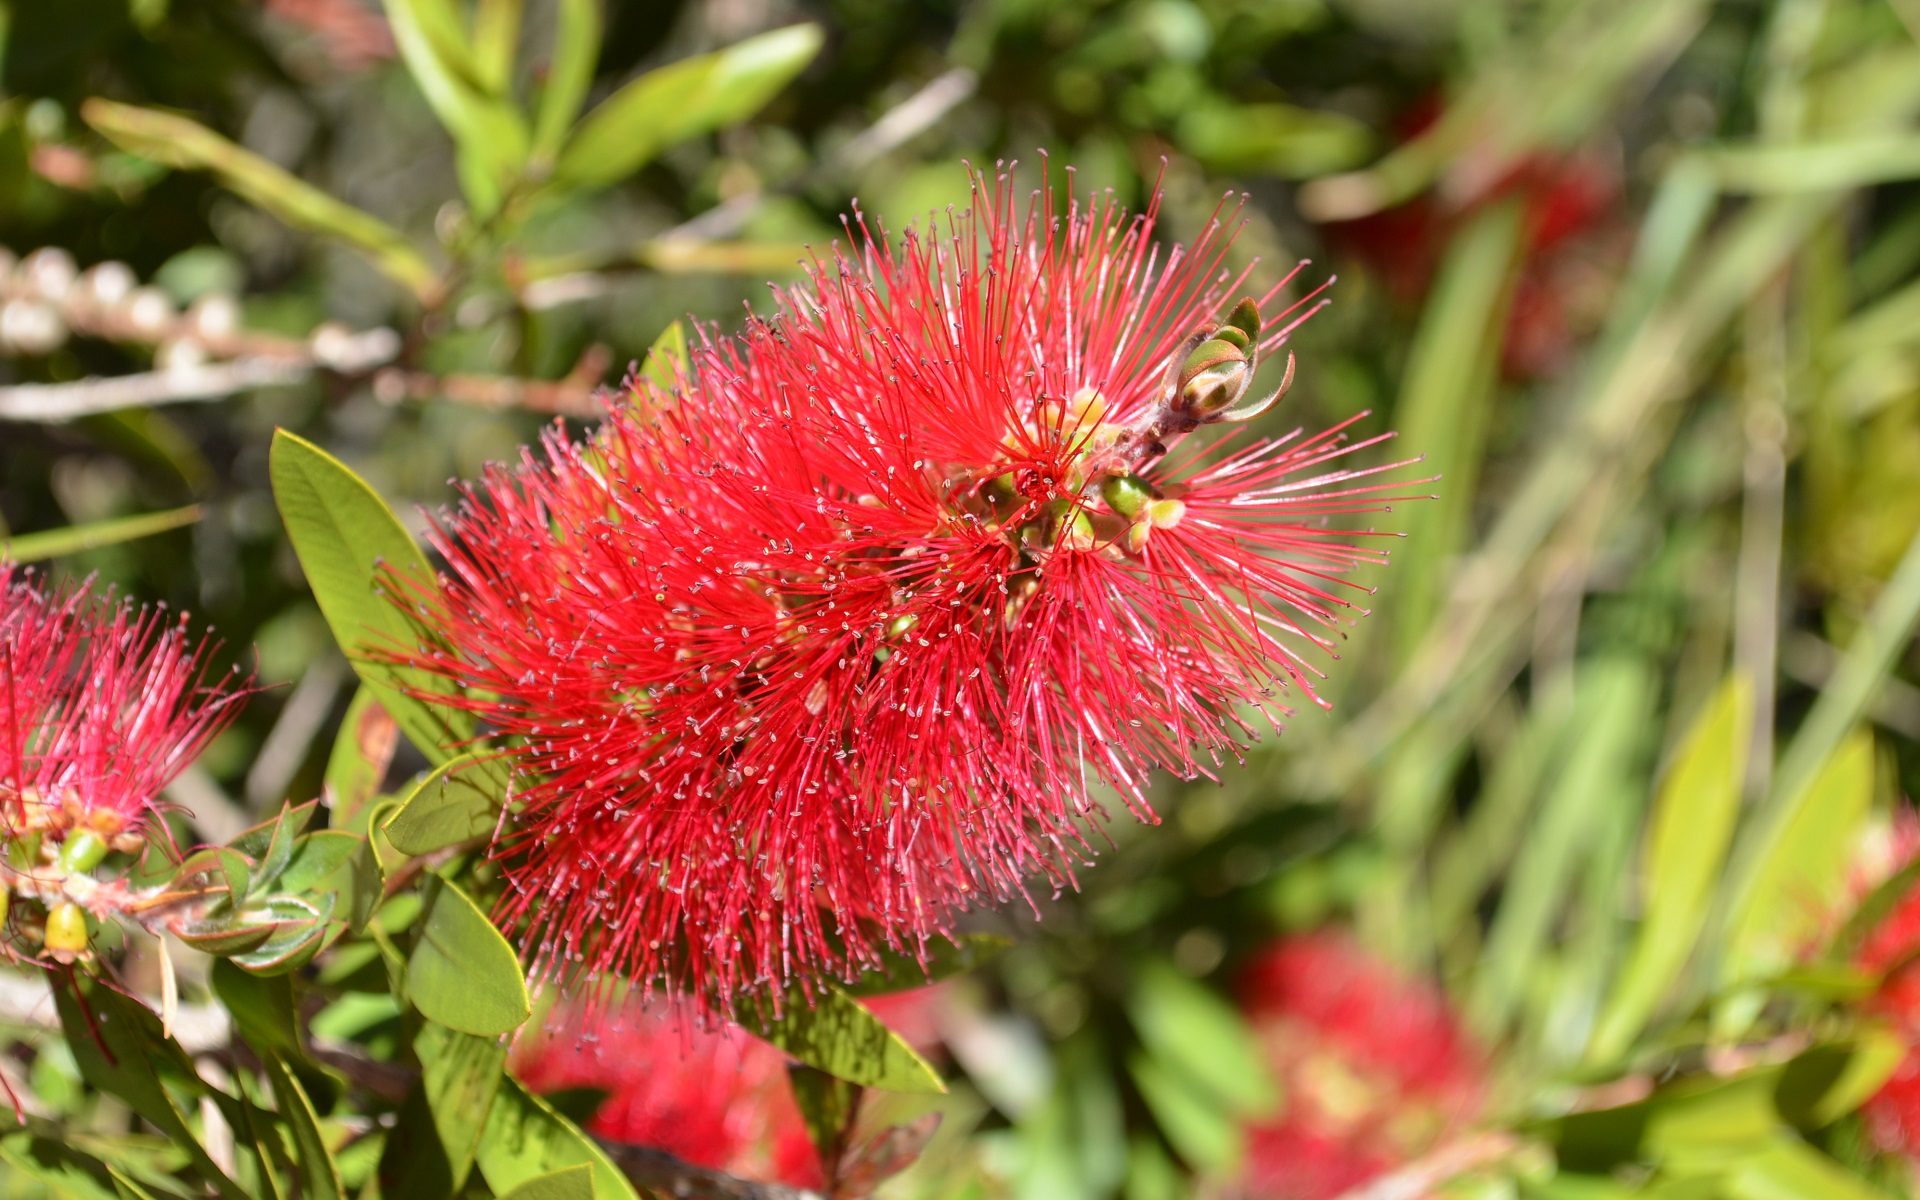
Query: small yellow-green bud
(66,937)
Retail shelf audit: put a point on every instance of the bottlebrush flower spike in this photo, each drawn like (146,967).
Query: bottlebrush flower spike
(101,705)
(832,637)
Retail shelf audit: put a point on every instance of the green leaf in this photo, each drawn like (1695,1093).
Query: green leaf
(496,38)
(945,959)
(827,1106)
(1189,1028)
(262,1008)
(666,357)
(682,100)
(179,142)
(344,534)
(1284,140)
(1607,727)
(1691,825)
(574,1183)
(489,132)
(526,1139)
(118,1046)
(1825,1082)
(1805,873)
(299,931)
(257,840)
(459,802)
(838,1036)
(461,1076)
(319,858)
(1832,164)
(1870,656)
(576,49)
(1194,1122)
(271,863)
(361,754)
(1789,1169)
(58,543)
(319,1174)
(66,1172)
(463,974)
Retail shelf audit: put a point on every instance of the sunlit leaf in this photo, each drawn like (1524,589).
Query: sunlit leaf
(683,100)
(462,973)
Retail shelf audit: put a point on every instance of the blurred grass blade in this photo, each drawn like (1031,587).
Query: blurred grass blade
(1689,829)
(576,48)
(683,100)
(1805,871)
(489,133)
(1544,93)
(1816,166)
(57,543)
(179,142)
(1610,714)
(496,39)
(1480,850)
(1888,629)
(1446,402)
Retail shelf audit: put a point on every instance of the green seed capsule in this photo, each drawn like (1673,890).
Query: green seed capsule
(82,851)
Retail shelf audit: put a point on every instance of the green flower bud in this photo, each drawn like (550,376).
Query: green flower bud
(1125,494)
(82,851)
(66,937)
(1216,374)
(1246,318)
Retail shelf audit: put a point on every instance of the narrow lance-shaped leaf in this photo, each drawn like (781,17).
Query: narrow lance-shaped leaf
(576,47)
(57,543)
(1806,871)
(489,132)
(344,534)
(319,1174)
(683,100)
(187,144)
(1691,825)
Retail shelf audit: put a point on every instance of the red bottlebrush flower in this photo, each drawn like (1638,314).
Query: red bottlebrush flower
(830,639)
(1375,1069)
(101,705)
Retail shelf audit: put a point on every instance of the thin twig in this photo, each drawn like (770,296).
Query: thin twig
(1420,1178)
(146,389)
(658,1171)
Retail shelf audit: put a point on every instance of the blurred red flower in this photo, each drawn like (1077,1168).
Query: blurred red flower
(705,1092)
(1573,237)
(1374,1068)
(1892,1114)
(101,704)
(832,636)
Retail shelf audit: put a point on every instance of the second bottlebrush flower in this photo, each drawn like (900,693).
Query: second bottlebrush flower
(839,633)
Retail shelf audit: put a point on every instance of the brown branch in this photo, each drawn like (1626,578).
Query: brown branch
(658,1171)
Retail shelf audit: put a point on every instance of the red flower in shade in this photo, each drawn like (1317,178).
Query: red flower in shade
(709,1095)
(829,639)
(1374,1068)
(1570,204)
(101,705)
(1892,1114)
